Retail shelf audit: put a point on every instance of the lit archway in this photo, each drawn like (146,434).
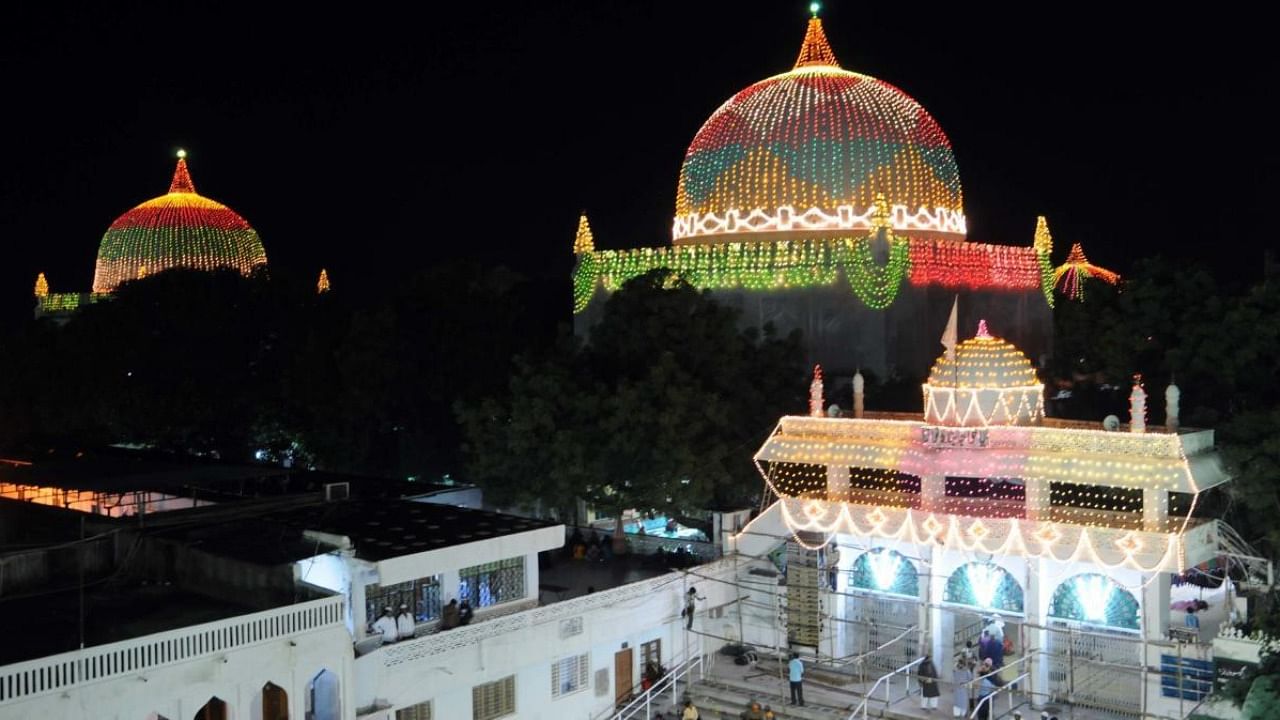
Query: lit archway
(986,586)
(215,709)
(1095,599)
(324,698)
(884,570)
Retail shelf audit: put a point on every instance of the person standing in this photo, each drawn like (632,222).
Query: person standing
(961,675)
(928,675)
(386,626)
(795,670)
(405,624)
(465,613)
(450,616)
(687,613)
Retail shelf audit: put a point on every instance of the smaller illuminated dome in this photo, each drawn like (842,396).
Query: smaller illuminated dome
(986,381)
(177,229)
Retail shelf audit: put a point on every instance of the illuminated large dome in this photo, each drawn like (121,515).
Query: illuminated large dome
(806,152)
(177,229)
(987,381)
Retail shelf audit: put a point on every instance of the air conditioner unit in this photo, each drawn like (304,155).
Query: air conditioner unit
(337,491)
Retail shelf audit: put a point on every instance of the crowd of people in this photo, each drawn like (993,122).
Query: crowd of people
(394,627)
(597,547)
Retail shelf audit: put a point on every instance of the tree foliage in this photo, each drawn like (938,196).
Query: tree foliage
(660,409)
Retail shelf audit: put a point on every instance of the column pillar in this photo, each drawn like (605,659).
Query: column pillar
(838,483)
(933,493)
(1155,509)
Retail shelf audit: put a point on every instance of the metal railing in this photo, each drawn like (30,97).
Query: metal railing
(990,700)
(888,686)
(647,700)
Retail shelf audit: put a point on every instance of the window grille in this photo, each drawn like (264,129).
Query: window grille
(421,711)
(494,700)
(421,595)
(492,583)
(569,675)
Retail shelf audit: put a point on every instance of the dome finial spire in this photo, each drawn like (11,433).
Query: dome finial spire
(816,50)
(181,182)
(814,9)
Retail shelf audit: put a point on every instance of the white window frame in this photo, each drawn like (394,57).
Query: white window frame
(579,672)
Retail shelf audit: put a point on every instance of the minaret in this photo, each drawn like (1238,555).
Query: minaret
(322,284)
(583,242)
(816,50)
(42,286)
(858,386)
(1138,406)
(1172,395)
(1043,242)
(815,393)
(181,182)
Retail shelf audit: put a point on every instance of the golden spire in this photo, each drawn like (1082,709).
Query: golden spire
(583,242)
(42,286)
(181,182)
(322,285)
(1043,242)
(815,50)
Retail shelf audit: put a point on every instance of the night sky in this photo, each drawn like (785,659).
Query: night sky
(374,143)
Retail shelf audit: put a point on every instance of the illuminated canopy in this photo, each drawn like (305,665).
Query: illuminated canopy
(808,150)
(178,229)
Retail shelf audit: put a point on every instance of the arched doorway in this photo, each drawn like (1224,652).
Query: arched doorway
(274,703)
(215,709)
(986,593)
(883,606)
(1095,648)
(324,699)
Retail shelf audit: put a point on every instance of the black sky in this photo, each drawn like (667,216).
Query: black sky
(374,142)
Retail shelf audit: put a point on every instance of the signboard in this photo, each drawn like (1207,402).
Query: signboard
(945,437)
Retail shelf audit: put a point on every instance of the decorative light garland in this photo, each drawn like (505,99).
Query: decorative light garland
(42,286)
(815,262)
(809,149)
(1070,275)
(1109,548)
(178,229)
(1070,475)
(322,283)
(1043,245)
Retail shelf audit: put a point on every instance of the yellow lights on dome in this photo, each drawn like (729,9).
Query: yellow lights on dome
(42,286)
(322,283)
(982,363)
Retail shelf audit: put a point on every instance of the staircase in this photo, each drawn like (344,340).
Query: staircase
(726,699)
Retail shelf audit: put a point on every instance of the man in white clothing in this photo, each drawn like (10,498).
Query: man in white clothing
(386,625)
(404,623)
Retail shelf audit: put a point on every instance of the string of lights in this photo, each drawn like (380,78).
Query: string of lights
(178,229)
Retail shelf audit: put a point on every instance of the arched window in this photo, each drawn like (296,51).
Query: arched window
(275,702)
(1096,600)
(885,571)
(984,585)
(215,709)
(324,702)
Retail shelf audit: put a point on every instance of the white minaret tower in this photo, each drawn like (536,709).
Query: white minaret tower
(1138,406)
(815,393)
(1171,397)
(858,385)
